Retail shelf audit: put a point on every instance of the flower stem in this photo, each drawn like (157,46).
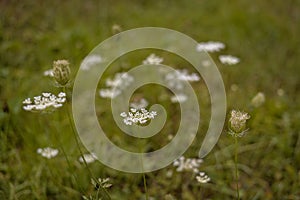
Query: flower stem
(144,176)
(78,145)
(236,168)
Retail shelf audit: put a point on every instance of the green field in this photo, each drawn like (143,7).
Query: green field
(264,35)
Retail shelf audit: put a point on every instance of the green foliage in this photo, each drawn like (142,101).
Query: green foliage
(263,34)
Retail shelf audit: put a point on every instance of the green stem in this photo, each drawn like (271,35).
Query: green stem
(144,176)
(61,146)
(78,145)
(236,168)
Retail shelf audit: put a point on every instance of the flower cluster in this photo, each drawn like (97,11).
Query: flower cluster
(136,116)
(61,72)
(187,164)
(116,85)
(179,98)
(174,79)
(88,158)
(237,123)
(153,60)
(90,61)
(48,72)
(44,102)
(229,60)
(210,46)
(47,152)
(202,177)
(141,103)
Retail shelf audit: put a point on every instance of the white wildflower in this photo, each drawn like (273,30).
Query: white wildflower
(109,93)
(174,79)
(187,164)
(141,103)
(49,73)
(228,59)
(237,123)
(137,116)
(45,102)
(258,99)
(202,178)
(153,60)
(47,152)
(179,98)
(89,158)
(116,85)
(210,46)
(90,61)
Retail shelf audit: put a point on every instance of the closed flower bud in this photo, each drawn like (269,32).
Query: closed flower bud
(61,72)
(237,122)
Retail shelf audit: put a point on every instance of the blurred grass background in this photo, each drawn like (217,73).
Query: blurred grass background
(263,34)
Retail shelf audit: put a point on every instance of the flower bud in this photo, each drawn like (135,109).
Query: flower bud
(61,72)
(237,122)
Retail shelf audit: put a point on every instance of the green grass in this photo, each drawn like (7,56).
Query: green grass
(263,34)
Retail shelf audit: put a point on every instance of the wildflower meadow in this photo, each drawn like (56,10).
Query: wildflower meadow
(149,100)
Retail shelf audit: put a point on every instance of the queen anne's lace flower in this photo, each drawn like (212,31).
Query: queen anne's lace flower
(116,85)
(61,72)
(90,61)
(89,158)
(210,46)
(153,60)
(202,177)
(179,98)
(237,123)
(136,116)
(229,60)
(47,152)
(174,79)
(44,102)
(141,103)
(49,73)
(187,164)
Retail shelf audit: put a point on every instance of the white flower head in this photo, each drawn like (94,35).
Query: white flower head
(47,152)
(49,73)
(229,60)
(153,60)
(179,98)
(139,104)
(116,85)
(237,123)
(90,61)
(187,164)
(89,158)
(137,116)
(46,102)
(175,79)
(210,46)
(202,177)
